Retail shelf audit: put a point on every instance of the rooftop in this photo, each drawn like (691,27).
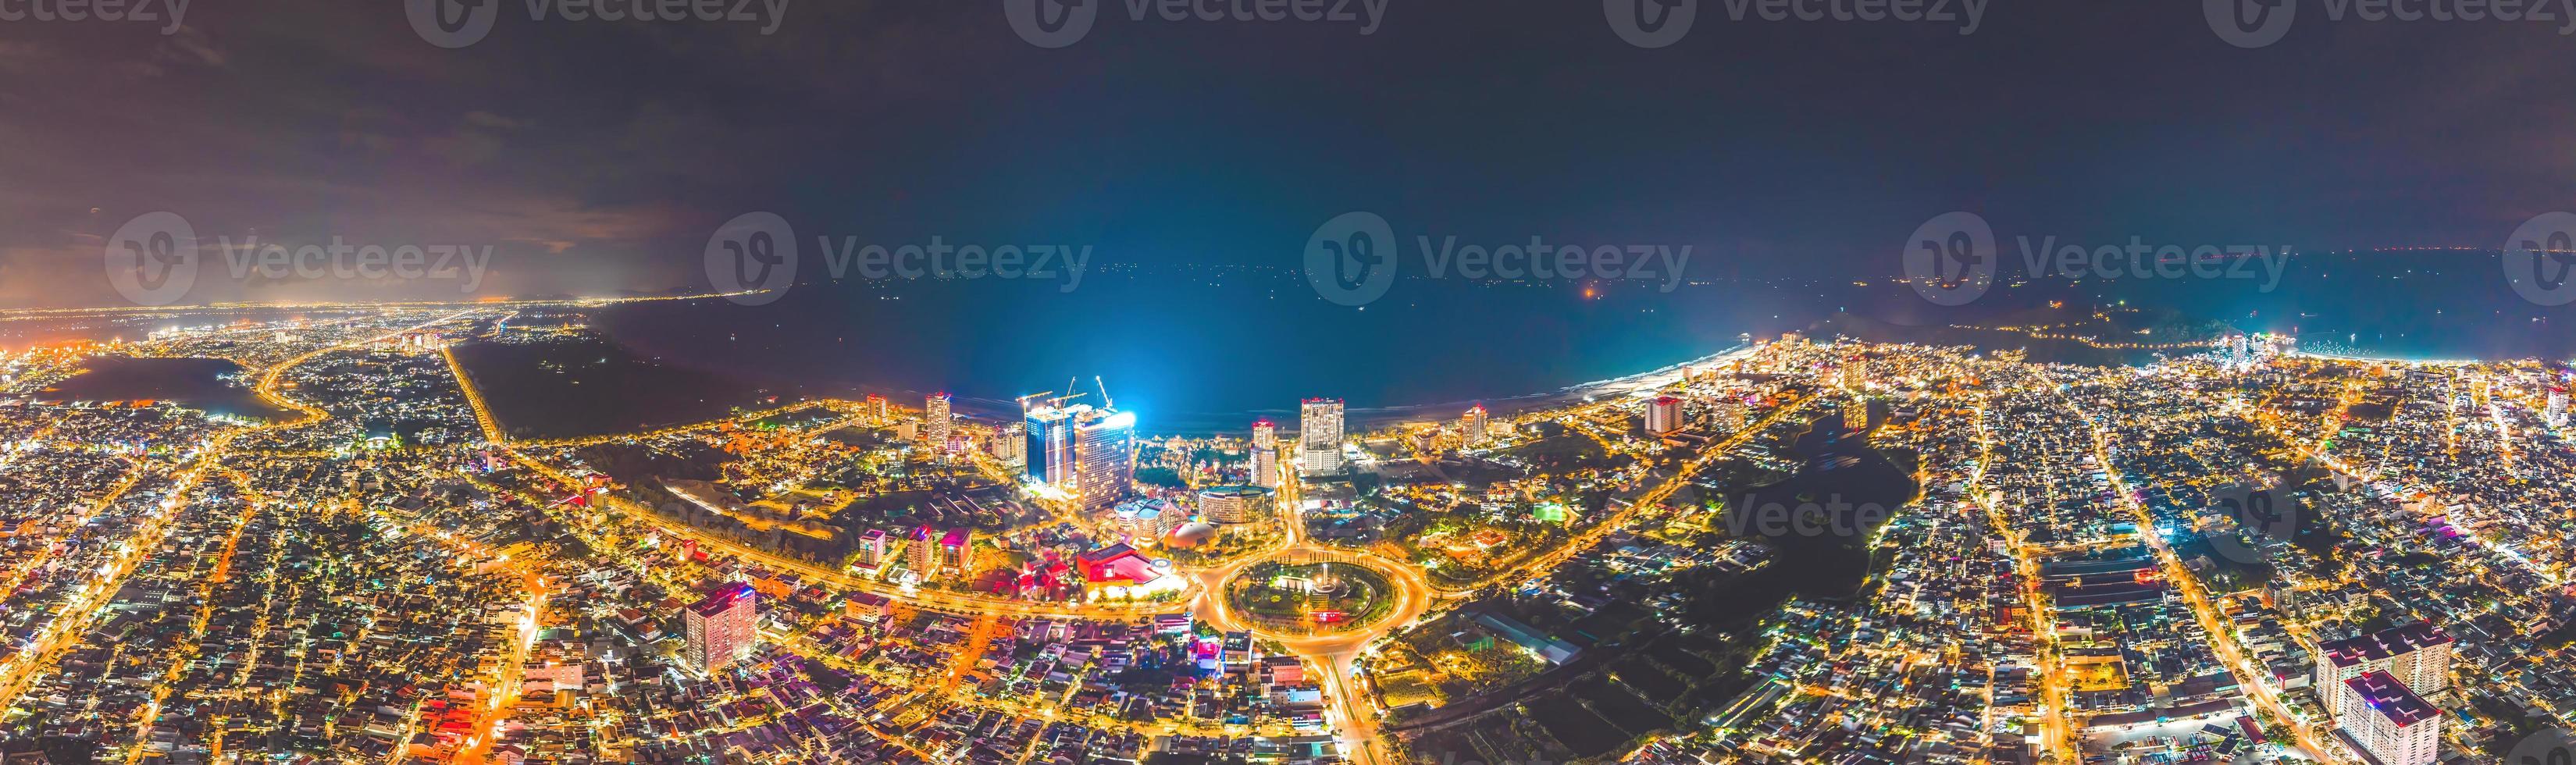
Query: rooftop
(2382,645)
(2392,699)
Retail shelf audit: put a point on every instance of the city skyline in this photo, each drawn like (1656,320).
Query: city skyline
(1633,382)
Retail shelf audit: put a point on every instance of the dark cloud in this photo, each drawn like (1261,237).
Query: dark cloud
(595,156)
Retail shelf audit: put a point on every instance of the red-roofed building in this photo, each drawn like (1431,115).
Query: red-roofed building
(1663,415)
(1118,570)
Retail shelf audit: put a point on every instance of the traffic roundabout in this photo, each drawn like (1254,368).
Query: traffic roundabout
(1310,595)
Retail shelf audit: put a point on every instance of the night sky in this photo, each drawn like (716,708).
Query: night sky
(598,156)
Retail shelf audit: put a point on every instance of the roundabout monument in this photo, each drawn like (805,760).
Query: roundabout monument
(1318,597)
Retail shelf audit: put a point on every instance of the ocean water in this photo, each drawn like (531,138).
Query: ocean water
(1193,356)
(1195,352)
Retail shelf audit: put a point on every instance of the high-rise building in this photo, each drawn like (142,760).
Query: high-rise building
(1049,453)
(1236,504)
(1104,448)
(1663,415)
(1265,453)
(957,550)
(1010,445)
(935,419)
(877,411)
(1856,413)
(1471,426)
(1084,451)
(1319,436)
(2556,413)
(2390,720)
(875,548)
(721,627)
(2418,655)
(923,557)
(1265,467)
(1854,373)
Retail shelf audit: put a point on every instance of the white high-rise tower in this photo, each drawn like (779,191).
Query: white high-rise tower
(1319,436)
(935,421)
(1265,453)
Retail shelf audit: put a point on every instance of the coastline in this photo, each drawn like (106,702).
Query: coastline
(1359,420)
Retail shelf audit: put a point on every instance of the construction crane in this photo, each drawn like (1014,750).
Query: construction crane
(1048,398)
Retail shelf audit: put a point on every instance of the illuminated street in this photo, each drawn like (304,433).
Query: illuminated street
(1486,570)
